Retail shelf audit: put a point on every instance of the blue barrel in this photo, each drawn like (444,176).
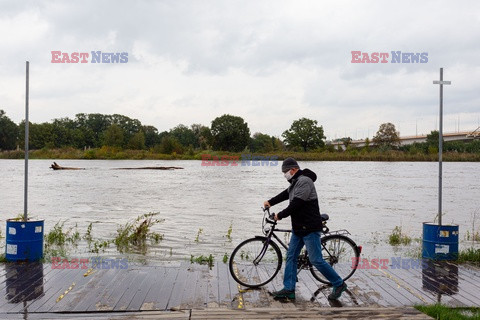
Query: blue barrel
(24,240)
(440,242)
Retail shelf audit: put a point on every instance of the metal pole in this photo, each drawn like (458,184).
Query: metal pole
(25,200)
(440,151)
(440,145)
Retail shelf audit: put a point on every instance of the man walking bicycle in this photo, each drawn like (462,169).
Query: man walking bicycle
(306,226)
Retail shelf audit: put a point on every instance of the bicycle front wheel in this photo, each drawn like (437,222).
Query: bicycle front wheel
(341,253)
(255,262)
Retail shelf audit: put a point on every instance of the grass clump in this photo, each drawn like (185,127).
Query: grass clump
(134,235)
(439,311)
(203,260)
(469,255)
(229,233)
(95,245)
(197,238)
(57,241)
(58,237)
(397,237)
(474,236)
(88,235)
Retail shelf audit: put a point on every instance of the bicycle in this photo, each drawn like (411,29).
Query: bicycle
(256,261)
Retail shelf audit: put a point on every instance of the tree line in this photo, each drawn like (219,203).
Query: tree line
(226,133)
(94,130)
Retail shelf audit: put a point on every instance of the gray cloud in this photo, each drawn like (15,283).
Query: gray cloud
(191,61)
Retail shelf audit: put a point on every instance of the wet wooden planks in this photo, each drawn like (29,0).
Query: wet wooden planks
(259,313)
(38,288)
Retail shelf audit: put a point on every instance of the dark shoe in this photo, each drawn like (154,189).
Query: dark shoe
(337,291)
(284,294)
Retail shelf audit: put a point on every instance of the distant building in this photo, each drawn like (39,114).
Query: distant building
(407,140)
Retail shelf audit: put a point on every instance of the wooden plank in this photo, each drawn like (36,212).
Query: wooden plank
(472,271)
(403,292)
(224,293)
(85,288)
(212,288)
(413,278)
(142,315)
(60,281)
(137,281)
(147,287)
(318,292)
(376,291)
(140,295)
(112,295)
(61,298)
(191,281)
(152,295)
(175,298)
(12,270)
(457,299)
(200,297)
(467,276)
(24,282)
(164,291)
(101,299)
(312,313)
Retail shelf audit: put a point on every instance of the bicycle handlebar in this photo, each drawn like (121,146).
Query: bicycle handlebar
(271,216)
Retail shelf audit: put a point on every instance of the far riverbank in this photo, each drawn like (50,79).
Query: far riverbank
(109,153)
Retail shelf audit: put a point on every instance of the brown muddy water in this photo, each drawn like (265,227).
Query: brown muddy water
(202,203)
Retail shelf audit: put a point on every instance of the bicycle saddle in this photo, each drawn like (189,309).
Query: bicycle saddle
(324,216)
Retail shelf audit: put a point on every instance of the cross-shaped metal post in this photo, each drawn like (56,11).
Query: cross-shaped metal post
(25,197)
(440,145)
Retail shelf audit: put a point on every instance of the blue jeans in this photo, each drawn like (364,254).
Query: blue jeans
(314,248)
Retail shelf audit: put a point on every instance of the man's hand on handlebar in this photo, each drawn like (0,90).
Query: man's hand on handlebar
(266,206)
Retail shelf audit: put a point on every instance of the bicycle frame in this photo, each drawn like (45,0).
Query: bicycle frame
(268,249)
(271,233)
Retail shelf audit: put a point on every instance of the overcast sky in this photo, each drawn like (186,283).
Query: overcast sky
(270,62)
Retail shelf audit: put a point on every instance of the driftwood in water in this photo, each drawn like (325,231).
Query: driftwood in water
(150,168)
(55,166)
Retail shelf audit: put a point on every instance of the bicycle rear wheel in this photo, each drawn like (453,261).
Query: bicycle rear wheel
(341,253)
(254,262)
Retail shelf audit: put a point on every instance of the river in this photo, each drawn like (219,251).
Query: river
(202,203)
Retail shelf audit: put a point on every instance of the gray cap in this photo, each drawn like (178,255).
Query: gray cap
(288,164)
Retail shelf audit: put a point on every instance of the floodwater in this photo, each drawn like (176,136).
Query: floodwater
(202,203)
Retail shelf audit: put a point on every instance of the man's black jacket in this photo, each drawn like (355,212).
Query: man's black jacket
(303,207)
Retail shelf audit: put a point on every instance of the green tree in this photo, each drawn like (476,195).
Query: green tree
(8,132)
(184,135)
(170,145)
(305,133)
(93,125)
(346,141)
(432,138)
(129,126)
(40,135)
(89,136)
(230,133)
(113,136)
(387,136)
(137,142)
(151,136)
(203,134)
(278,144)
(367,144)
(473,147)
(261,143)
